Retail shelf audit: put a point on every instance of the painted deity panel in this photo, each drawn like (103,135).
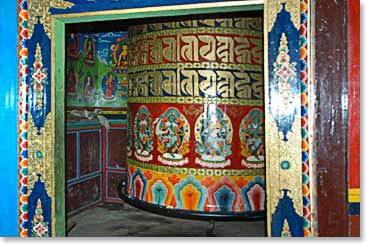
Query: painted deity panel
(173,134)
(213,136)
(196,108)
(253,139)
(143,134)
(96,69)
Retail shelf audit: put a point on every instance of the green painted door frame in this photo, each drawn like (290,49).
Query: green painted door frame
(58,74)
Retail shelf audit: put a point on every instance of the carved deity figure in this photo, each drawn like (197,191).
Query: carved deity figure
(173,136)
(213,133)
(143,134)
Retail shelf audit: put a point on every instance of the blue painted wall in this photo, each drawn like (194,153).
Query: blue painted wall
(98,5)
(8,119)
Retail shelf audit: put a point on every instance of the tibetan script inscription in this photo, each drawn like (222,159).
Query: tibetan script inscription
(237,48)
(197,82)
(211,58)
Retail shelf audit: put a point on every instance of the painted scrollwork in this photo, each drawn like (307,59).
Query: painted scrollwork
(41,9)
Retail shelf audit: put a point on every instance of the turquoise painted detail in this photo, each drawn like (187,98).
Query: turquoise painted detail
(224,198)
(159,191)
(39,154)
(285,164)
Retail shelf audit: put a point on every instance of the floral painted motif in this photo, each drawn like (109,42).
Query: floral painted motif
(190,194)
(38,77)
(39,222)
(160,192)
(40,228)
(254,195)
(173,133)
(144,134)
(213,135)
(224,196)
(252,139)
(284,105)
(138,184)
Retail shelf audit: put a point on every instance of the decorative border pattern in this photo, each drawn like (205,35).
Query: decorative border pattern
(23,117)
(43,9)
(283,118)
(196,100)
(202,65)
(306,167)
(195,171)
(207,30)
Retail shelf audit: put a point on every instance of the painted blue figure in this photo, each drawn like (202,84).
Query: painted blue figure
(224,197)
(39,210)
(284,80)
(286,211)
(39,102)
(159,191)
(252,136)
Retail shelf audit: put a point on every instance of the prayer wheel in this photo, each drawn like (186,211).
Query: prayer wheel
(196,117)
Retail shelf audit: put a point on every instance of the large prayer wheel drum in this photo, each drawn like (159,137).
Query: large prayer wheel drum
(196,120)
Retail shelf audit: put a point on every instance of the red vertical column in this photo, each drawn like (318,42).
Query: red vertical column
(354,116)
(104,165)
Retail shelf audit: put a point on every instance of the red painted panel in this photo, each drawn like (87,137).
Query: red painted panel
(117,142)
(82,194)
(354,225)
(331,129)
(192,113)
(354,92)
(90,152)
(71,156)
(114,179)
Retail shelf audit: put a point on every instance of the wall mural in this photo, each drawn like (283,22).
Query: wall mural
(206,185)
(96,99)
(96,69)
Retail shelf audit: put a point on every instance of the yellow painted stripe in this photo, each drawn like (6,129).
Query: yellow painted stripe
(354,195)
(113,112)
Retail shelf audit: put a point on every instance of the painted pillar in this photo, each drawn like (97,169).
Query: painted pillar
(8,119)
(354,190)
(196,115)
(283,129)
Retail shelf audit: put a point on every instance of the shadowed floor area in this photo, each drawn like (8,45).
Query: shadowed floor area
(124,220)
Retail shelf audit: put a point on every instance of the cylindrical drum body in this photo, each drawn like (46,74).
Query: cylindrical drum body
(196,120)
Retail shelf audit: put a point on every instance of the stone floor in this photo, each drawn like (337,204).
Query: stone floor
(124,220)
